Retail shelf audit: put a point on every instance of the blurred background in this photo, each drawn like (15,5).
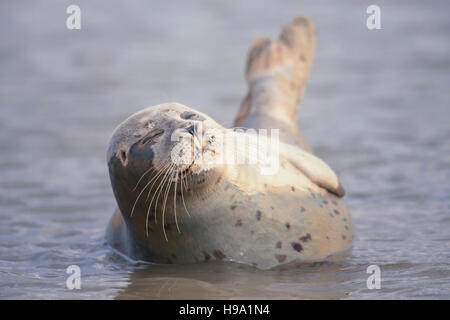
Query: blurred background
(377,110)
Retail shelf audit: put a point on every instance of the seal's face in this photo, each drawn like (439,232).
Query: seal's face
(162,144)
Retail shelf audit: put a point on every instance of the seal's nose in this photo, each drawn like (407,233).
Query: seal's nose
(192,129)
(195,129)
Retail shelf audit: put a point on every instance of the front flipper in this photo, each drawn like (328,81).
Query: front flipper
(312,167)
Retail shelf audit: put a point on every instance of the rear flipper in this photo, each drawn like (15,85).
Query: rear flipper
(276,73)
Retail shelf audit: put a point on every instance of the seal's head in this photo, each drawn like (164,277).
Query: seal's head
(167,142)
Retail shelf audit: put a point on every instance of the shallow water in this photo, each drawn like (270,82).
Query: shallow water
(376,109)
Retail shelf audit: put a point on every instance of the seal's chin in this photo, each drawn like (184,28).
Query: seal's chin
(203,180)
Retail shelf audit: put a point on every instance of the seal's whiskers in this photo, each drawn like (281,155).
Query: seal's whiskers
(156,190)
(139,195)
(182,195)
(139,181)
(161,183)
(166,195)
(155,179)
(175,201)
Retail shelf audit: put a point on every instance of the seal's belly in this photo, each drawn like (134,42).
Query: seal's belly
(264,229)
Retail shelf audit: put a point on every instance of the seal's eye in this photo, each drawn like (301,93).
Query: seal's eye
(152,136)
(191,116)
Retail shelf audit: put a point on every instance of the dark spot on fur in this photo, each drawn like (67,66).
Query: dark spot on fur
(345,219)
(346,227)
(280,257)
(258,215)
(297,246)
(207,256)
(302,209)
(226,187)
(344,237)
(325,201)
(331,215)
(306,238)
(328,238)
(293,189)
(334,202)
(279,245)
(288,226)
(238,223)
(233,207)
(219,255)
(232,197)
(336,211)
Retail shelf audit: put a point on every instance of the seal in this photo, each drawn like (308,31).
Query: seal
(184,198)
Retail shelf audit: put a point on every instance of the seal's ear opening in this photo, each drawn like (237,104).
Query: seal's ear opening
(123,156)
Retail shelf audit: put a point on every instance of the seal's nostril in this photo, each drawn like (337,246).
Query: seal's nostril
(191,129)
(191,116)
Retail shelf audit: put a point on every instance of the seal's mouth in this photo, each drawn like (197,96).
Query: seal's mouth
(196,167)
(185,173)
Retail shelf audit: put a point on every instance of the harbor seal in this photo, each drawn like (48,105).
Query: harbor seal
(179,201)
